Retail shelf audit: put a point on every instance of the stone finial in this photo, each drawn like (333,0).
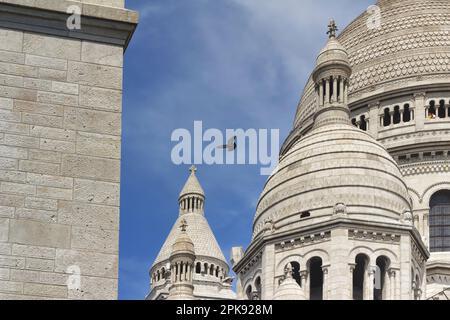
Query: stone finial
(340,209)
(408,217)
(269,225)
(193,169)
(332,28)
(288,271)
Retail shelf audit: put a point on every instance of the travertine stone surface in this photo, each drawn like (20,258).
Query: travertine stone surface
(60,144)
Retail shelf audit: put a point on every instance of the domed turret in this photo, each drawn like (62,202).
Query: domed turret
(182,261)
(192,196)
(331,81)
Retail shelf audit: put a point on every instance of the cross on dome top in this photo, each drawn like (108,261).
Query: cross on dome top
(193,169)
(183,225)
(332,28)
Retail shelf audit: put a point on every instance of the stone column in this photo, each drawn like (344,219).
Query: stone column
(386,289)
(335,89)
(426,228)
(370,285)
(305,283)
(352,269)
(419,107)
(346,92)
(327,92)
(268,276)
(320,94)
(341,91)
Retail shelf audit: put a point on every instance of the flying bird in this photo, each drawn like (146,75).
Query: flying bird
(231,145)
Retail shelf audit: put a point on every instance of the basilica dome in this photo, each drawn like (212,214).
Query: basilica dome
(334,164)
(397,45)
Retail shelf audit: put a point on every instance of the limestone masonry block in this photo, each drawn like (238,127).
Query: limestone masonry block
(39,234)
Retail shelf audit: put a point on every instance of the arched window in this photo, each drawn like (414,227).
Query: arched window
(163,273)
(440,221)
(217,272)
(205,268)
(387,118)
(379,288)
(316,279)
(296,272)
(397,117)
(249,292)
(441,110)
(257,295)
(211,270)
(198,267)
(359,276)
(354,122)
(406,113)
(432,110)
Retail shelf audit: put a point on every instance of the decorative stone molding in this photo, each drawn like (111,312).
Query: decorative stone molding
(340,209)
(54,22)
(373,236)
(425,168)
(303,241)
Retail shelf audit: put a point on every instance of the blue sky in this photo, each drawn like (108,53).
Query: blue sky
(229,63)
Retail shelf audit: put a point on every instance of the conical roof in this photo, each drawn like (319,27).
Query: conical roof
(192,185)
(199,232)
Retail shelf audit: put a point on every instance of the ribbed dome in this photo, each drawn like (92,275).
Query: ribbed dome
(410,48)
(333,164)
(183,244)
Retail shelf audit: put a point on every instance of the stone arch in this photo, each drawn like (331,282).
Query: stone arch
(391,255)
(414,196)
(323,254)
(431,190)
(361,250)
(292,258)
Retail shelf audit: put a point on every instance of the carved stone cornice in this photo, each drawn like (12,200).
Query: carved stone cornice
(101,24)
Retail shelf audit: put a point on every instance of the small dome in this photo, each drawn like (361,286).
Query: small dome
(333,164)
(183,244)
(192,185)
(333,53)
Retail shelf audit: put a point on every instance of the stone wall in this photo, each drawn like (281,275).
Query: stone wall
(60,149)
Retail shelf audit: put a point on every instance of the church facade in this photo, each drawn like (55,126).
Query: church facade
(359,207)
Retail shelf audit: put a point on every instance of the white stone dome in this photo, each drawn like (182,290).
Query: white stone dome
(333,52)
(289,290)
(333,164)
